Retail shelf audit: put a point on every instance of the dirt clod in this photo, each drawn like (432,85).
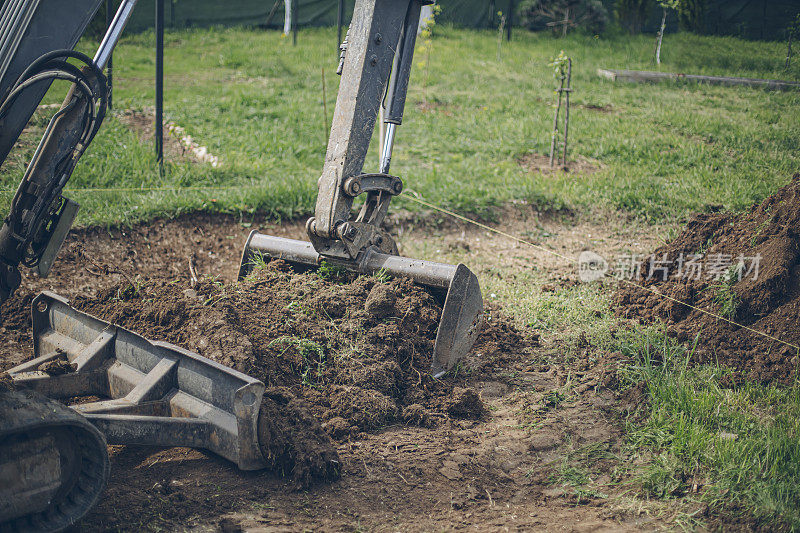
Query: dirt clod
(57,367)
(293,441)
(380,302)
(465,403)
(416,415)
(337,427)
(364,408)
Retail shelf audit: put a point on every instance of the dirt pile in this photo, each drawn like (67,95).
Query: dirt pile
(346,353)
(742,267)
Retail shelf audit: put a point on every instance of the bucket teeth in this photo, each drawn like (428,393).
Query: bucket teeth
(455,285)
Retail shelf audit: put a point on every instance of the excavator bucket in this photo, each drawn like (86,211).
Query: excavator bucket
(455,287)
(375,65)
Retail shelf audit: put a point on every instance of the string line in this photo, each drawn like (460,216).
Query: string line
(414,197)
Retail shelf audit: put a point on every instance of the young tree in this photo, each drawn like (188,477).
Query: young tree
(794,28)
(665,5)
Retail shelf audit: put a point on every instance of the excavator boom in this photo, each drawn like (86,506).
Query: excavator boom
(376,61)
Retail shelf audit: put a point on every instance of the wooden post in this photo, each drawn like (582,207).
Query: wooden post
(272,12)
(555,123)
(159,125)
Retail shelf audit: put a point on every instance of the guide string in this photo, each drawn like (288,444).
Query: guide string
(415,197)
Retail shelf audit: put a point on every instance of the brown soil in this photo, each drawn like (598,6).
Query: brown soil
(356,348)
(143,123)
(606,108)
(768,303)
(539,163)
(481,448)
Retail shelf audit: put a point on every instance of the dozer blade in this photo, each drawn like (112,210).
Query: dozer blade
(157,393)
(455,287)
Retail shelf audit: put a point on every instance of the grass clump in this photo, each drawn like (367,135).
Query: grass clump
(311,354)
(332,272)
(725,297)
(738,448)
(576,469)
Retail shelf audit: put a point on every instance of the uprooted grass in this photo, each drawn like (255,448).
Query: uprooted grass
(738,448)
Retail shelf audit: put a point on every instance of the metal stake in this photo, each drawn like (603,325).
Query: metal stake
(295,8)
(110,74)
(159,129)
(339,22)
(510,19)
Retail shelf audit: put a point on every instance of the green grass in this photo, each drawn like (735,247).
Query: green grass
(256,101)
(723,294)
(741,446)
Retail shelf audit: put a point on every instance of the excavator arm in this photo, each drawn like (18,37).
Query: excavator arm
(375,68)
(36,41)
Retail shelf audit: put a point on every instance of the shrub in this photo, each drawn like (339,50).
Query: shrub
(632,14)
(692,15)
(563,15)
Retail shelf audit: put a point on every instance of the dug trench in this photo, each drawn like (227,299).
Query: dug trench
(358,435)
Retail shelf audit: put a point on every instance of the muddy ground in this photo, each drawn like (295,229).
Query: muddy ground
(421,465)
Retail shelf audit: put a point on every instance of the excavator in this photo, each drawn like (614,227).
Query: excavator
(119,387)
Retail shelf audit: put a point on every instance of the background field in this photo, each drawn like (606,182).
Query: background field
(256,102)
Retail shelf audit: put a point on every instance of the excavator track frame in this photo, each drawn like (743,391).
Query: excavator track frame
(53,463)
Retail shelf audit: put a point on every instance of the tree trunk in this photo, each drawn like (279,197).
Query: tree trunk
(287,17)
(661,36)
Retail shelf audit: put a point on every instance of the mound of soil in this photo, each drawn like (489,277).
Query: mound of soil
(742,267)
(344,354)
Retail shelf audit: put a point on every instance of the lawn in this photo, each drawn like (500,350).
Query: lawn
(662,151)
